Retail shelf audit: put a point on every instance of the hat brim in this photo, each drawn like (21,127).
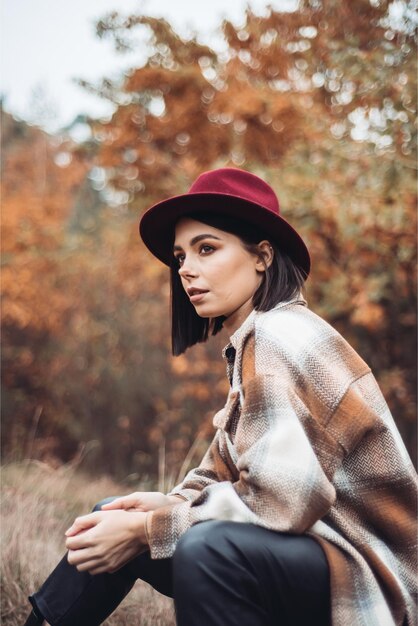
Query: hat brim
(157,224)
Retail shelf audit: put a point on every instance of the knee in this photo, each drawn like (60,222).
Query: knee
(203,540)
(98,506)
(206,554)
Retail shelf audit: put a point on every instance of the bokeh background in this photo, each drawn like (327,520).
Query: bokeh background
(317,97)
(320,101)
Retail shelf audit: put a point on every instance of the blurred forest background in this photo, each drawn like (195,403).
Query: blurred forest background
(321,103)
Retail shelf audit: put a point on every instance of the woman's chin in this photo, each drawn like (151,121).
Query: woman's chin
(208,312)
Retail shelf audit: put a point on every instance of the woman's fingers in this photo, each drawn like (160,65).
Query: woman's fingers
(82,523)
(83,560)
(78,542)
(141,501)
(125,502)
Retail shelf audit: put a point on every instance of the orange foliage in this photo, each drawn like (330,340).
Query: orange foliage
(317,101)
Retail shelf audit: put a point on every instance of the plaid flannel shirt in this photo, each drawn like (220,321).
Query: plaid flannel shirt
(306,444)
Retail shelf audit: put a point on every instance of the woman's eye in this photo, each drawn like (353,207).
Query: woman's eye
(206,249)
(203,249)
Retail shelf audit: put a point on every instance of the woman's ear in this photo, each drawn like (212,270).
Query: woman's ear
(266,255)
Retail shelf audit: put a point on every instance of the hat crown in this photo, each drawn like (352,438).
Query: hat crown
(238,183)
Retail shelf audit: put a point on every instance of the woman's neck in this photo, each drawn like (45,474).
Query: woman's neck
(237,317)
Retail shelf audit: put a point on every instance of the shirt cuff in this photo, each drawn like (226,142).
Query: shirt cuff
(178,495)
(148,526)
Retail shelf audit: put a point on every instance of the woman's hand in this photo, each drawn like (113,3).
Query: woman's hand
(105,540)
(141,501)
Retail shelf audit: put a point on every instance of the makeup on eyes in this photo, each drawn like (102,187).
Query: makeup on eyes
(193,242)
(196,240)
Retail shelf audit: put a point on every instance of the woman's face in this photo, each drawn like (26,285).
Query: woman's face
(218,274)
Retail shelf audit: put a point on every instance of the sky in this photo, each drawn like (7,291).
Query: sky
(47,44)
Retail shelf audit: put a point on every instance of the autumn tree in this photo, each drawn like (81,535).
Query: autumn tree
(320,102)
(85,334)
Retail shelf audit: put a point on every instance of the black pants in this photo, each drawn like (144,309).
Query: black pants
(222,574)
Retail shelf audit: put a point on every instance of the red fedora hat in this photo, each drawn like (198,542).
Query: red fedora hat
(227,191)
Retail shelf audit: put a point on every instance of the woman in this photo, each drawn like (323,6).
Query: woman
(302,509)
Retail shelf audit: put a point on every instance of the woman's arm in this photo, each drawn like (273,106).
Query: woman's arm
(282,483)
(100,543)
(279,483)
(105,540)
(215,467)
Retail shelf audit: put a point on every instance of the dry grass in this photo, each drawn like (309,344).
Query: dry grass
(38,504)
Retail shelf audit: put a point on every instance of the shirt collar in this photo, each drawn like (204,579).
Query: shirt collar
(239,336)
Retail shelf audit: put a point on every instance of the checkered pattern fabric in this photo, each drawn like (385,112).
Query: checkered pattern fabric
(306,444)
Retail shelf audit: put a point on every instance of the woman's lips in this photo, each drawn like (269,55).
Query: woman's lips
(196,295)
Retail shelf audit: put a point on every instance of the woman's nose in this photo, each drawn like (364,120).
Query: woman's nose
(187,269)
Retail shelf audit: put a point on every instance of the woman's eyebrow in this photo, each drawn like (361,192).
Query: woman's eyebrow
(197,239)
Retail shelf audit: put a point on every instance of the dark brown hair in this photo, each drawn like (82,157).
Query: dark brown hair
(282,280)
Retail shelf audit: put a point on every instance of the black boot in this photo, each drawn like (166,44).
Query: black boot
(33,620)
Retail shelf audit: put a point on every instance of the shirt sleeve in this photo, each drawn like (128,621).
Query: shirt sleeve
(279,484)
(214,467)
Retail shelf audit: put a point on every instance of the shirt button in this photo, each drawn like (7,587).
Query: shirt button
(230,354)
